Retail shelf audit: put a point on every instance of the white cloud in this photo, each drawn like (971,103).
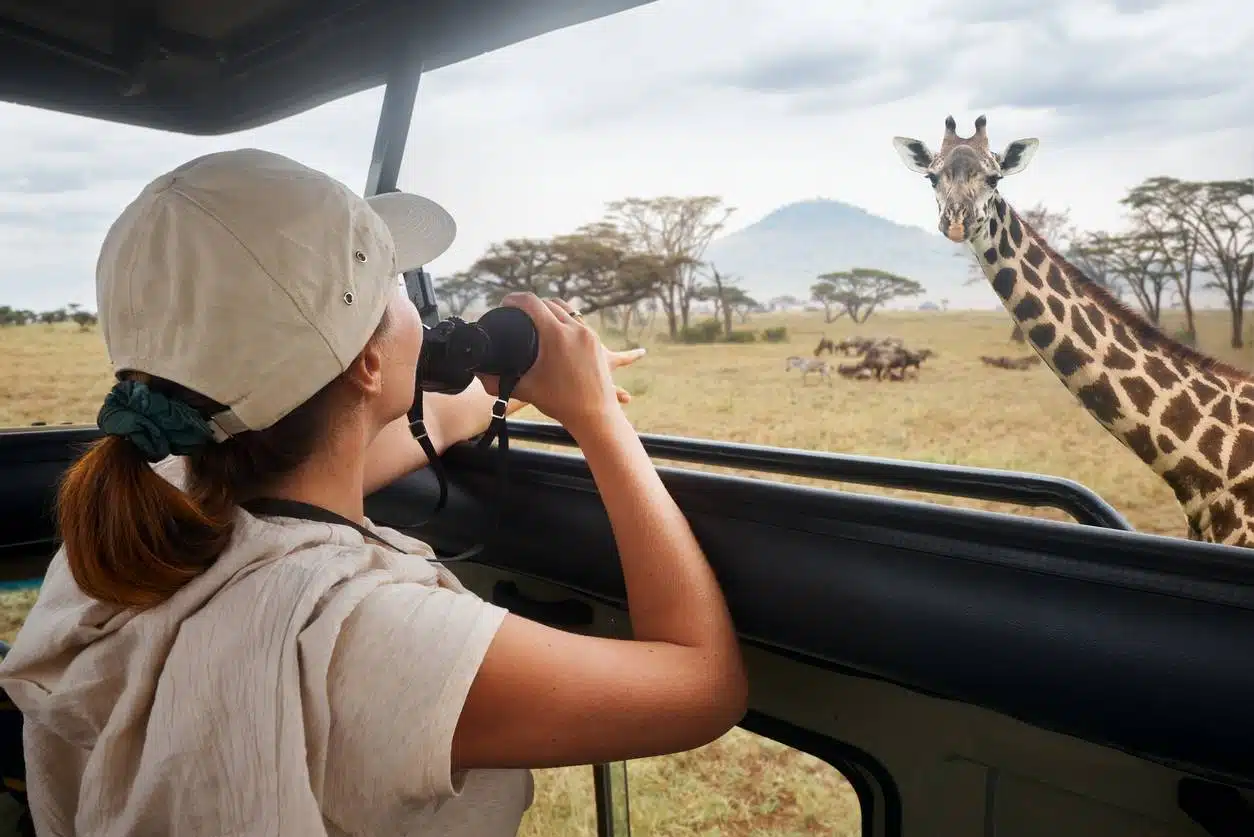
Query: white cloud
(758,101)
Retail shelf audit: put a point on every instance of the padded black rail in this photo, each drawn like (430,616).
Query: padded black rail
(1035,490)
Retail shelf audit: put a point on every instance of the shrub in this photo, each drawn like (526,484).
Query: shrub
(741,335)
(778,334)
(706,331)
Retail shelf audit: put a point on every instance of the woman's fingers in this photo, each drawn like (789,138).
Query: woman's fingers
(533,306)
(625,358)
(560,310)
(567,313)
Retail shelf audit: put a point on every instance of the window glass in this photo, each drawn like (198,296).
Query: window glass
(765,134)
(740,784)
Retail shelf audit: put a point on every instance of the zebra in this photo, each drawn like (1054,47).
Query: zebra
(807,366)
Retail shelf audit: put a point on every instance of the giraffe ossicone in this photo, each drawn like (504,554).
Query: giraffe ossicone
(1186,415)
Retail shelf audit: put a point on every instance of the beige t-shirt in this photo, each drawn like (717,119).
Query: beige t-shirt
(307,684)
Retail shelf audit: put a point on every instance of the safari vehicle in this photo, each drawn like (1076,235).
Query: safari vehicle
(969,672)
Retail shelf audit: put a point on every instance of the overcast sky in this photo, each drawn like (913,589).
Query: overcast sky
(760,101)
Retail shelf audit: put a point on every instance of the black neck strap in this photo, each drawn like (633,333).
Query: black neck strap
(277,507)
(419,428)
(497,430)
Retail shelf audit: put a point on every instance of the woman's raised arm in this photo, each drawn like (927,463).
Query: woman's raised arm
(450,419)
(545,697)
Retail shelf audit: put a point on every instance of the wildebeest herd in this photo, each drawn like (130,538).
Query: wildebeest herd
(882,358)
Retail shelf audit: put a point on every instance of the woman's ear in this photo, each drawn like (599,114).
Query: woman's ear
(365,373)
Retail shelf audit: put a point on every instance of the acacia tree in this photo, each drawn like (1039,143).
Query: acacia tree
(1143,268)
(1090,252)
(826,293)
(597,266)
(514,265)
(1133,260)
(458,292)
(1163,209)
(641,312)
(675,231)
(584,265)
(740,303)
(862,290)
(728,298)
(593,266)
(12,316)
(84,319)
(1224,218)
(1202,227)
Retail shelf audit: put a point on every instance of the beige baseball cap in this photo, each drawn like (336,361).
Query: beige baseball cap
(254,280)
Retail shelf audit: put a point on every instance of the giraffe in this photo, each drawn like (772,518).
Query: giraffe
(1189,417)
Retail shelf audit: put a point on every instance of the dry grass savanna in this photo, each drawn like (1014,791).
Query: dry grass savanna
(957,409)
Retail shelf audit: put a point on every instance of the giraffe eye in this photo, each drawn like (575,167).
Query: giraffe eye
(992,180)
(933,178)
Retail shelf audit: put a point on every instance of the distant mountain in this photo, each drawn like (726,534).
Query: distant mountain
(784,252)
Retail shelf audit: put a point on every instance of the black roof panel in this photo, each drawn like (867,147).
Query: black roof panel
(220,66)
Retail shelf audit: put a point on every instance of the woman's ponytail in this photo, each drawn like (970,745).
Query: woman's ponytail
(131,537)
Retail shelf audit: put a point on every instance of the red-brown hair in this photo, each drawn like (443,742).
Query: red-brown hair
(134,539)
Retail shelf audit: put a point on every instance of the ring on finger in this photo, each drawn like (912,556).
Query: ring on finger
(561,305)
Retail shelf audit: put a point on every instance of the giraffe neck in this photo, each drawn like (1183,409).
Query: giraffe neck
(1190,419)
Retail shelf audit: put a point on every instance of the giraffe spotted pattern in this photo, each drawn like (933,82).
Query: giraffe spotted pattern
(1189,417)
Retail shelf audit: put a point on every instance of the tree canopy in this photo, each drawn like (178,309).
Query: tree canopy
(859,291)
(642,250)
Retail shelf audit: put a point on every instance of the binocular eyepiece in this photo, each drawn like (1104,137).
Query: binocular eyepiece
(504,341)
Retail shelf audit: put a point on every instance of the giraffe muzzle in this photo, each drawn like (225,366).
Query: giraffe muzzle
(954,230)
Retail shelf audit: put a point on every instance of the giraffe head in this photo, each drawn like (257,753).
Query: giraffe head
(964,174)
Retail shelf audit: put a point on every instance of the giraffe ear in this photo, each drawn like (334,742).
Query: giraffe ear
(913,153)
(1017,156)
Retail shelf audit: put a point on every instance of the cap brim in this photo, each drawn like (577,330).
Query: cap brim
(421,229)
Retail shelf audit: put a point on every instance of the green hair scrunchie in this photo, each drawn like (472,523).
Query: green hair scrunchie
(156,424)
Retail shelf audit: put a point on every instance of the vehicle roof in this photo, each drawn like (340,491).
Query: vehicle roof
(202,67)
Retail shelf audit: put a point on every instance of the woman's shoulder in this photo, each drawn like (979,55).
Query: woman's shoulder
(298,559)
(313,549)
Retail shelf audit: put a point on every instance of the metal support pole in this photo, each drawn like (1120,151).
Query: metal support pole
(390,138)
(613,800)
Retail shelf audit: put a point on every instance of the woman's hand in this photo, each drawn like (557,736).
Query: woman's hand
(455,418)
(571,376)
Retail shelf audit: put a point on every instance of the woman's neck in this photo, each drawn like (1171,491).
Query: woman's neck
(332,479)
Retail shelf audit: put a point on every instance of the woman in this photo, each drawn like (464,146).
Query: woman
(200,664)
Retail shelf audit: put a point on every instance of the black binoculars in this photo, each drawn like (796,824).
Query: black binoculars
(503,342)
